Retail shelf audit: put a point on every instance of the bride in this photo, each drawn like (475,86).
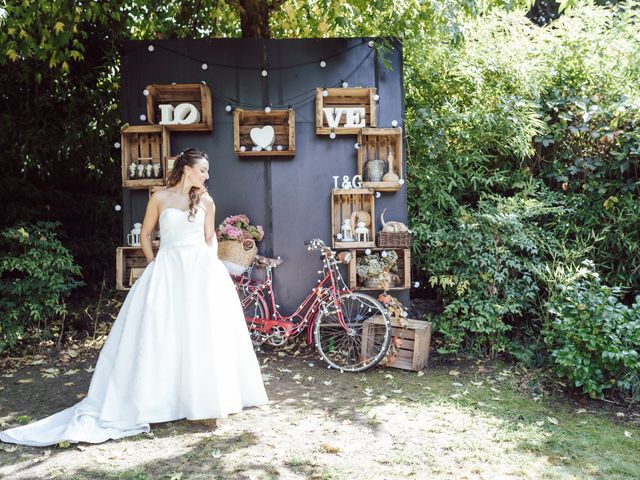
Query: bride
(179,347)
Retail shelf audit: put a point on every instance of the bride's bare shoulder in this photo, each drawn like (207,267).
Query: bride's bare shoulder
(207,200)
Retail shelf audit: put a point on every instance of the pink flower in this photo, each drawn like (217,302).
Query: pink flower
(237,227)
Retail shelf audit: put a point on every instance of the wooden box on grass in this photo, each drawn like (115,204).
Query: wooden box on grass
(410,344)
(344,202)
(344,98)
(130,263)
(197,94)
(404,268)
(284,126)
(381,144)
(144,144)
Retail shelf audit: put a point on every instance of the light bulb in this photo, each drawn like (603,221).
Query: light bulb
(117,208)
(371,44)
(384,254)
(116,145)
(267,109)
(143,117)
(145,92)
(378,194)
(279,148)
(401,181)
(242,148)
(325,93)
(228,108)
(332,135)
(323,64)
(264,73)
(205,66)
(268,148)
(356,145)
(345,84)
(368,251)
(151,48)
(394,123)
(376,97)
(416,284)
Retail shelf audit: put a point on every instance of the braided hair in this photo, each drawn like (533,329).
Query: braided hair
(187,158)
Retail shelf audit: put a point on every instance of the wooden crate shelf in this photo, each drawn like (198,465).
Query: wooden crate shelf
(284,126)
(344,98)
(346,202)
(130,262)
(381,144)
(410,343)
(197,94)
(144,143)
(404,268)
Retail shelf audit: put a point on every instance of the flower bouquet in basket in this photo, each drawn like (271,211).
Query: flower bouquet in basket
(237,243)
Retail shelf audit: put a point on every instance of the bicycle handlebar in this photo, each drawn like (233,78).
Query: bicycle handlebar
(316,244)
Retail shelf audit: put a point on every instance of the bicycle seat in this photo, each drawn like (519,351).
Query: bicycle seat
(264,262)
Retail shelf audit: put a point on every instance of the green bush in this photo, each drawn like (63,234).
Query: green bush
(594,339)
(485,266)
(37,274)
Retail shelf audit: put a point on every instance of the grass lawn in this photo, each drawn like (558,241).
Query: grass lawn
(459,420)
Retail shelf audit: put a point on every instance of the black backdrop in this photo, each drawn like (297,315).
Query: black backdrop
(290,197)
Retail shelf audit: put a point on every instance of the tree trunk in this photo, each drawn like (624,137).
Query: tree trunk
(254,16)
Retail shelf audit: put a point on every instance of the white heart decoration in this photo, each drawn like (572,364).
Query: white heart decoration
(263,137)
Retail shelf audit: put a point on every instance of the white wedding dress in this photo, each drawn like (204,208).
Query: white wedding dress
(179,348)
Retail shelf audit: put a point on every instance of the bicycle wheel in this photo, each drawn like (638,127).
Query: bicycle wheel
(365,340)
(253,309)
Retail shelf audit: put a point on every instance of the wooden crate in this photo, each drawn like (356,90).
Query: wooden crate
(344,202)
(283,123)
(404,268)
(128,259)
(144,143)
(344,98)
(197,94)
(383,144)
(410,344)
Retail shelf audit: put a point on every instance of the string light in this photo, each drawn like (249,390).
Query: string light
(401,181)
(145,92)
(143,117)
(332,135)
(394,123)
(367,251)
(323,64)
(371,44)
(117,208)
(378,195)
(279,148)
(264,73)
(325,93)
(151,48)
(205,66)
(345,84)
(268,148)
(116,145)
(376,97)
(267,109)
(228,108)
(356,145)
(242,148)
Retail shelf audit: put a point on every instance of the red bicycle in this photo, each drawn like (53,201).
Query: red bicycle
(334,316)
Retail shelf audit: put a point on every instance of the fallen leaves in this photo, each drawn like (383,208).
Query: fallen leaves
(328,448)
(50,372)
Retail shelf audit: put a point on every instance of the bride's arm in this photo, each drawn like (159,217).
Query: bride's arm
(148,224)
(210,219)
